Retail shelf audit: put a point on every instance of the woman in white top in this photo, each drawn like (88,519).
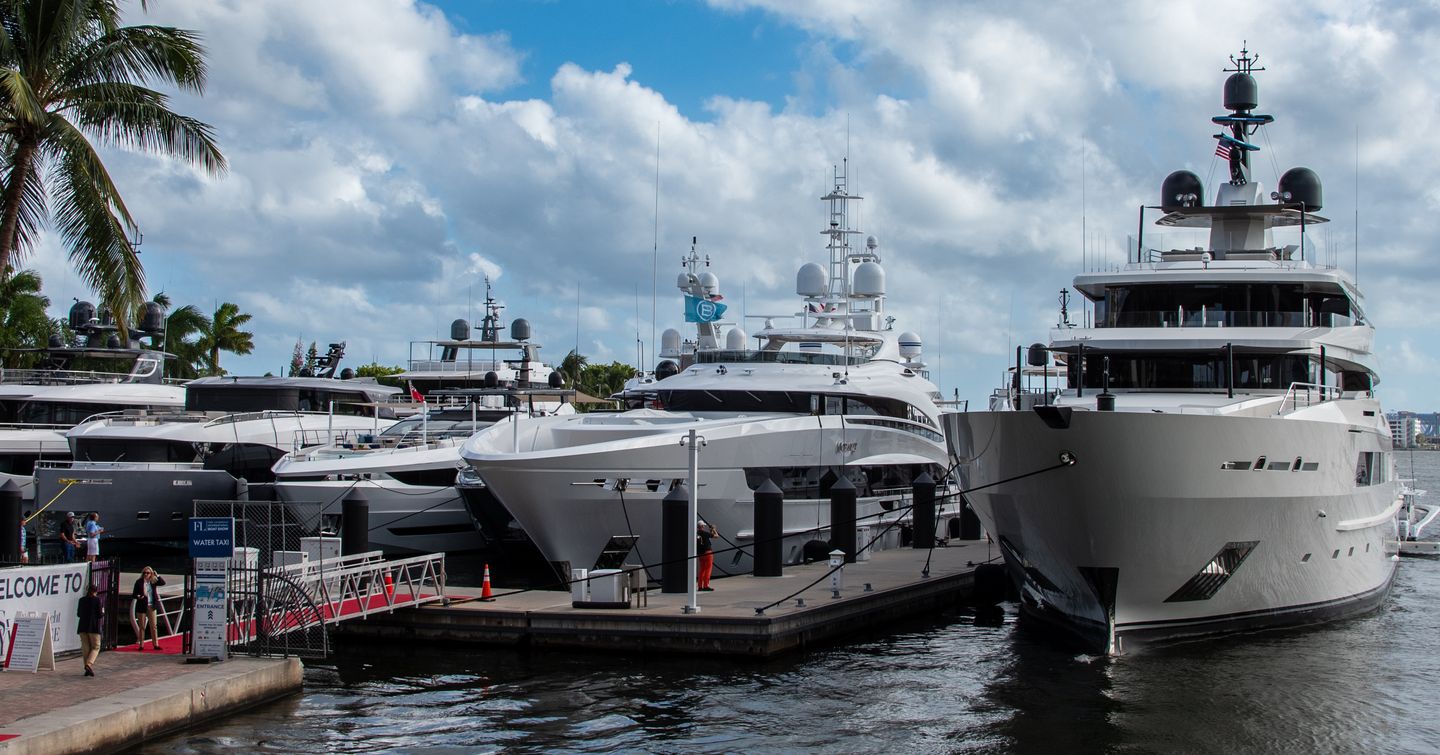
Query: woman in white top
(92,536)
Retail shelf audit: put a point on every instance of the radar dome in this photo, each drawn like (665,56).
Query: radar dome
(556,380)
(459,331)
(492,379)
(666,369)
(869,279)
(811,280)
(520,329)
(1303,187)
(735,339)
(1037,356)
(347,374)
(709,282)
(152,318)
(1241,92)
(670,343)
(81,313)
(910,345)
(1182,189)
(113,342)
(871,243)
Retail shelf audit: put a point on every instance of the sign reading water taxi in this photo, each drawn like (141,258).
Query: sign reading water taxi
(212,537)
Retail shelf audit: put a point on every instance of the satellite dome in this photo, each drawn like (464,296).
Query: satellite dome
(152,318)
(1241,92)
(1182,189)
(347,374)
(492,379)
(1037,356)
(1303,186)
(666,369)
(682,280)
(556,380)
(113,342)
(869,280)
(670,343)
(909,345)
(871,244)
(459,331)
(811,280)
(709,282)
(81,313)
(735,339)
(520,329)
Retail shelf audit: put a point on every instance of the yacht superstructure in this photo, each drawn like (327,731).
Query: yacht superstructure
(841,394)
(1217,459)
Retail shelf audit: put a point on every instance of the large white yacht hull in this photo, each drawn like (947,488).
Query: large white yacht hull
(1149,535)
(404,517)
(575,483)
(32,444)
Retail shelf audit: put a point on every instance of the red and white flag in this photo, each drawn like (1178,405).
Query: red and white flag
(1222,150)
(414,394)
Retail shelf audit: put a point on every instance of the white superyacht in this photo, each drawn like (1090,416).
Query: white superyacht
(407,473)
(840,393)
(1217,459)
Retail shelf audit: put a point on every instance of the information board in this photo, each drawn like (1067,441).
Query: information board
(52,589)
(212,537)
(211,610)
(30,646)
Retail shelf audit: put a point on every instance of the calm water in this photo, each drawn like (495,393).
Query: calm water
(943,685)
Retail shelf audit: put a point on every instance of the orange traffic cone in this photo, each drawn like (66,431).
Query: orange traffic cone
(389,586)
(485,593)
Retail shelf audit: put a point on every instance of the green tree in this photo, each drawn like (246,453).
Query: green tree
(70,74)
(297,360)
(24,323)
(572,367)
(224,334)
(312,359)
(380,372)
(601,380)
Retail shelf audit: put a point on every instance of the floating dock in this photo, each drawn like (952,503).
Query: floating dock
(889,586)
(134,697)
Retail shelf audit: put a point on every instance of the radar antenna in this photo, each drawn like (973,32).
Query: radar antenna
(1241,98)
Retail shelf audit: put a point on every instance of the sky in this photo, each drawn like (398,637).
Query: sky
(388,155)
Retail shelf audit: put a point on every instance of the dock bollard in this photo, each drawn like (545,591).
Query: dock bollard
(674,545)
(837,574)
(923,513)
(354,523)
(769,530)
(10,522)
(842,518)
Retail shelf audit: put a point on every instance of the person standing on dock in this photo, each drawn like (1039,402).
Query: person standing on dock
(147,600)
(24,546)
(705,552)
(67,537)
(92,536)
(89,611)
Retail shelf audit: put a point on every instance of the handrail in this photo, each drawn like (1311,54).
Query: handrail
(1293,396)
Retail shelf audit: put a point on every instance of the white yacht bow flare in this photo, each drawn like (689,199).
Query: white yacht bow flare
(842,394)
(407,473)
(1232,467)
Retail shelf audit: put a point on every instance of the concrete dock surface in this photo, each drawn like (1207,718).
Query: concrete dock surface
(727,622)
(132,698)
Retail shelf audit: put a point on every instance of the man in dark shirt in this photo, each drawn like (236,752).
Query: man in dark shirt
(89,611)
(704,532)
(67,536)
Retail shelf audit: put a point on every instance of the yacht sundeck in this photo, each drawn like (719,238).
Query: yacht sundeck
(1217,459)
(840,394)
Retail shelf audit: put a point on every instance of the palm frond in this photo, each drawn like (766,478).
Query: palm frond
(129,115)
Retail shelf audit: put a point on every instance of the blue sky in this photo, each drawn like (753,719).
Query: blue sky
(387,156)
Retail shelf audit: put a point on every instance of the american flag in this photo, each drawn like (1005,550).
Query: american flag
(1222,150)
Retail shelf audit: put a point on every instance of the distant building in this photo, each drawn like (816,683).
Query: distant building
(1404,428)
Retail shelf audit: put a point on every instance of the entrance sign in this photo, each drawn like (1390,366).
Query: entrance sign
(211,612)
(52,590)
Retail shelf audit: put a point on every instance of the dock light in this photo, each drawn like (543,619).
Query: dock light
(1067,458)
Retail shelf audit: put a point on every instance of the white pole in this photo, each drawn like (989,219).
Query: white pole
(693,517)
(329,424)
(515,428)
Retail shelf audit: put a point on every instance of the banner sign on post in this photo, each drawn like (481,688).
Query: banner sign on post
(51,590)
(212,537)
(211,610)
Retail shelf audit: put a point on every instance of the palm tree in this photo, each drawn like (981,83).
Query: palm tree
(224,334)
(70,73)
(23,321)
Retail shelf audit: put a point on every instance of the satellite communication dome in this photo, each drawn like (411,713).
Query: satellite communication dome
(909,345)
(113,342)
(556,380)
(347,374)
(1182,189)
(871,244)
(670,343)
(81,314)
(735,339)
(869,280)
(152,318)
(811,280)
(492,379)
(1037,356)
(520,329)
(459,331)
(666,369)
(709,282)
(1302,185)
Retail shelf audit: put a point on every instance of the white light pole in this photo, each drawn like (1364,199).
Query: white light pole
(693,442)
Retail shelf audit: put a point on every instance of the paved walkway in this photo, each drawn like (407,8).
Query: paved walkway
(26,694)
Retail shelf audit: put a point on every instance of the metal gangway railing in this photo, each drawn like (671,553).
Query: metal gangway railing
(305,595)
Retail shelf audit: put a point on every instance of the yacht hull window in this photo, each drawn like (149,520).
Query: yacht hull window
(809,483)
(1191,371)
(1232,305)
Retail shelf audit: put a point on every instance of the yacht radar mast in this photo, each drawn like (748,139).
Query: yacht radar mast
(854,298)
(1241,98)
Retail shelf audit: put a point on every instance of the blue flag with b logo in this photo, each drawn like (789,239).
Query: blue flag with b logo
(702,310)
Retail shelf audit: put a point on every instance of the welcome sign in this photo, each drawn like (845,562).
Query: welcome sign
(50,590)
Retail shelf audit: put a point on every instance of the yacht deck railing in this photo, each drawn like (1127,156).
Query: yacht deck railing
(1304,395)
